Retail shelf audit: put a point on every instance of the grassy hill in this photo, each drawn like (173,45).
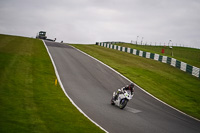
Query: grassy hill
(29,99)
(188,55)
(171,85)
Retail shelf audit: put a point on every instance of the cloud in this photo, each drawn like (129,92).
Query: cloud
(88,21)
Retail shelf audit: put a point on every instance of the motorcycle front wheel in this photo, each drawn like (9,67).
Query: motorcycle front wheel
(123,103)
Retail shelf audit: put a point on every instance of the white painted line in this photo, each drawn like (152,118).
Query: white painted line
(132,110)
(137,85)
(61,85)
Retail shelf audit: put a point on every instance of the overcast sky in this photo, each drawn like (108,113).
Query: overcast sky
(89,21)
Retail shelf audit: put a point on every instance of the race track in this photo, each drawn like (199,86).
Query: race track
(90,85)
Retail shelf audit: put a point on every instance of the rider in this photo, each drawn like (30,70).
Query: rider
(129,87)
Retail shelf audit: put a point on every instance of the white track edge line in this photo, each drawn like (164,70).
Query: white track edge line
(59,80)
(137,85)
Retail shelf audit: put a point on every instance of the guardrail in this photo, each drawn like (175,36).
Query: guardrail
(195,71)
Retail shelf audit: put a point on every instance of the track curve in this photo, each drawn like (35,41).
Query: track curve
(90,85)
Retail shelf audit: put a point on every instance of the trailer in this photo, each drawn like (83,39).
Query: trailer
(41,35)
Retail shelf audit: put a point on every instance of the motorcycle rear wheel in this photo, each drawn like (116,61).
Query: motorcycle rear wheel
(112,102)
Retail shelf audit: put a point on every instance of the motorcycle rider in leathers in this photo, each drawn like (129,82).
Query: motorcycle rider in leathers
(129,87)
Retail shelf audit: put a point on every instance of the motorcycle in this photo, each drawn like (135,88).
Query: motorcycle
(122,99)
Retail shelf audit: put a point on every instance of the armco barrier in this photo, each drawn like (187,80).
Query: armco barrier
(195,71)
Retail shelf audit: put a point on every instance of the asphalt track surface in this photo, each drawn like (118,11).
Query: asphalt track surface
(90,85)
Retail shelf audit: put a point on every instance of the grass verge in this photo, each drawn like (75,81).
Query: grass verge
(29,99)
(188,55)
(171,85)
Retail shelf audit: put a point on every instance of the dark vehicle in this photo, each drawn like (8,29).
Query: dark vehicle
(41,35)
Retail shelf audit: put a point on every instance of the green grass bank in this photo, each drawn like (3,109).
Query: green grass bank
(29,99)
(171,85)
(188,55)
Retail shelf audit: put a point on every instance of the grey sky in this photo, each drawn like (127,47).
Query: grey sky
(88,21)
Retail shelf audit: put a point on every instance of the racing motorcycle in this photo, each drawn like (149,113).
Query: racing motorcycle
(123,98)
